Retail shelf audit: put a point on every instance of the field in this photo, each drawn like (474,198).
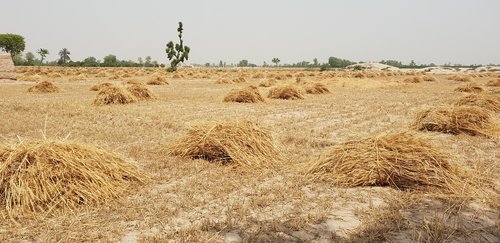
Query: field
(194,200)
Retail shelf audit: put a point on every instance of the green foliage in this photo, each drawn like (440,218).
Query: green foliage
(110,61)
(64,56)
(11,43)
(243,63)
(178,53)
(43,53)
(30,59)
(358,68)
(276,61)
(336,62)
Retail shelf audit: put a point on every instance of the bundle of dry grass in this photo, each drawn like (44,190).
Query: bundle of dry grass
(99,86)
(243,143)
(403,161)
(267,83)
(470,87)
(456,120)
(489,102)
(429,78)
(224,81)
(288,92)
(415,79)
(493,83)
(157,80)
(114,95)
(246,95)
(44,87)
(316,88)
(42,176)
(140,91)
(461,78)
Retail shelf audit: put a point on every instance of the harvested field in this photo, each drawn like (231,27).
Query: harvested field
(470,88)
(489,102)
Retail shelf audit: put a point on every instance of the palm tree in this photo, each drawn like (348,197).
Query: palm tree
(64,56)
(43,53)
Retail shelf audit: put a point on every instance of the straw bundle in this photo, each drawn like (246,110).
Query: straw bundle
(415,79)
(99,86)
(243,143)
(140,91)
(470,87)
(246,95)
(114,95)
(460,78)
(286,93)
(429,78)
(317,88)
(267,83)
(456,120)
(489,102)
(40,176)
(494,83)
(44,87)
(157,80)
(403,161)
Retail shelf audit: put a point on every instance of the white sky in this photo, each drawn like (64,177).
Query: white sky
(439,31)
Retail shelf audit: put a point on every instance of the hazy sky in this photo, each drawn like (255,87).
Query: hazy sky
(439,31)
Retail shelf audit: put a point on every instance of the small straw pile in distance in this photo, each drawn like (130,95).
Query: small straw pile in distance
(140,91)
(288,92)
(456,120)
(470,88)
(415,79)
(249,94)
(114,95)
(402,160)
(316,88)
(267,83)
(489,102)
(99,86)
(41,176)
(244,143)
(429,78)
(493,83)
(460,78)
(157,80)
(44,87)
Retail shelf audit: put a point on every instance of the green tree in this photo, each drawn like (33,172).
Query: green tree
(147,62)
(179,53)
(110,61)
(30,58)
(243,63)
(11,43)
(64,56)
(412,63)
(336,62)
(90,62)
(276,61)
(141,63)
(221,64)
(315,62)
(43,53)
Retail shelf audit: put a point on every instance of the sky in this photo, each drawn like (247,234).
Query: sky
(427,31)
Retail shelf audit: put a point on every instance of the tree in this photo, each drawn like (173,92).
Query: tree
(221,64)
(43,53)
(90,62)
(412,63)
(315,62)
(30,58)
(110,61)
(276,61)
(11,43)
(179,53)
(64,56)
(141,63)
(243,63)
(147,62)
(336,62)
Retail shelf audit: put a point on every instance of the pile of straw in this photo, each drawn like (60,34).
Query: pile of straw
(489,102)
(429,78)
(243,143)
(316,88)
(246,95)
(157,80)
(403,161)
(114,95)
(288,92)
(98,87)
(456,120)
(415,79)
(493,83)
(470,87)
(42,176)
(267,83)
(140,91)
(461,78)
(44,87)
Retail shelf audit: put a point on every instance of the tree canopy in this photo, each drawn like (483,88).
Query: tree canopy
(12,43)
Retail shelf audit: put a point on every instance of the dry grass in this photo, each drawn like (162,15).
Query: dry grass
(288,92)
(267,83)
(44,87)
(246,95)
(456,120)
(415,79)
(114,95)
(41,176)
(403,161)
(99,86)
(470,87)
(493,83)
(157,80)
(490,102)
(316,88)
(461,78)
(429,78)
(140,91)
(244,143)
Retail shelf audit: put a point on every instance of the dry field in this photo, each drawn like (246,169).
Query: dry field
(323,166)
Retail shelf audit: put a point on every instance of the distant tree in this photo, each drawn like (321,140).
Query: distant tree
(139,60)
(336,62)
(243,63)
(64,56)
(179,53)
(30,58)
(412,63)
(276,61)
(147,61)
(11,43)
(315,62)
(393,63)
(110,61)
(43,53)
(90,62)
(221,64)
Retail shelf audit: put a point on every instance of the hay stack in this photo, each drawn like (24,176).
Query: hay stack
(44,87)
(114,95)
(157,80)
(493,83)
(470,87)
(456,120)
(98,87)
(317,88)
(288,92)
(403,161)
(243,143)
(140,91)
(429,78)
(224,81)
(246,95)
(415,79)
(40,176)
(7,68)
(267,83)
(460,78)
(489,102)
